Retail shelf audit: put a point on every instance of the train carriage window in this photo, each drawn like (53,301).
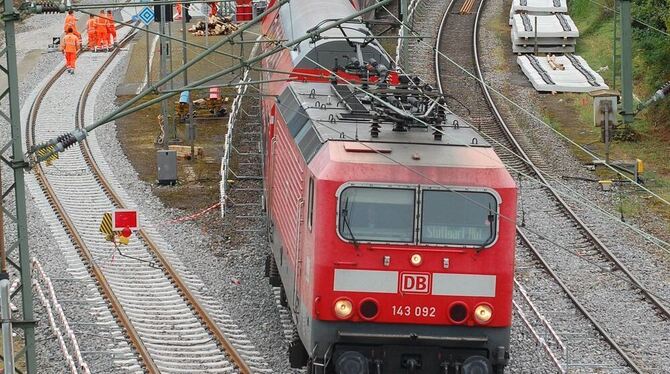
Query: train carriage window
(310,204)
(458,218)
(377,214)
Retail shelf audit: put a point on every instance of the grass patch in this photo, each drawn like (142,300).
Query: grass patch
(572,114)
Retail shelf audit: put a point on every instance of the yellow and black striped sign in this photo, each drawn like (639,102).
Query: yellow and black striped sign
(106,226)
(45,151)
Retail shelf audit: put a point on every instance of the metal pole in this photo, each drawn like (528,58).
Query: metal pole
(191,127)
(184,56)
(199,57)
(614,43)
(7,341)
(170,52)
(606,110)
(163,68)
(148,54)
(627,62)
(184,61)
(3,254)
(18,164)
(404,15)
(207,27)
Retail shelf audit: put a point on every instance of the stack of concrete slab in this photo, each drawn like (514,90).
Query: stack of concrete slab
(567,73)
(537,7)
(555,33)
(543,26)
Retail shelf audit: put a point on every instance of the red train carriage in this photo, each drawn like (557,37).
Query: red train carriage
(345,46)
(392,230)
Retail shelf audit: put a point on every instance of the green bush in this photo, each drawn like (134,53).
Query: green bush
(653,44)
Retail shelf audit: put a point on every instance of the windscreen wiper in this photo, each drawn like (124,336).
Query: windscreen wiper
(492,229)
(345,219)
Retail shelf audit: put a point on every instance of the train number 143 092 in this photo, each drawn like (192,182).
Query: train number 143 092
(413,311)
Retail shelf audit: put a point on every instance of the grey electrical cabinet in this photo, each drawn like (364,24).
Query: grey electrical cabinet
(166,161)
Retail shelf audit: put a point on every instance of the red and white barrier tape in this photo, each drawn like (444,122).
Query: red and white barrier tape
(195,215)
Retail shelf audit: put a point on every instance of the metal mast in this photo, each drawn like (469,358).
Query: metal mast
(21,260)
(627,62)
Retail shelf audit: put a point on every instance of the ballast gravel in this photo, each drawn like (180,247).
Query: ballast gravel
(233,276)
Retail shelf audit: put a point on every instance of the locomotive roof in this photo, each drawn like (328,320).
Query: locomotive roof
(299,16)
(315,114)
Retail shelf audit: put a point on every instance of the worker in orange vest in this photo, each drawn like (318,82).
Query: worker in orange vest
(111,28)
(92,34)
(71,22)
(101,30)
(70,46)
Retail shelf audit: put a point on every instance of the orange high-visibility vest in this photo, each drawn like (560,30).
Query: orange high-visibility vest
(70,21)
(70,42)
(101,23)
(91,25)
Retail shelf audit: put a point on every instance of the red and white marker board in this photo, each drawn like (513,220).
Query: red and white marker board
(122,218)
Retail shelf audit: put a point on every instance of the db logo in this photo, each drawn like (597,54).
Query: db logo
(415,282)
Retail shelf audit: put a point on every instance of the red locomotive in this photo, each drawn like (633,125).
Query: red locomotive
(391,220)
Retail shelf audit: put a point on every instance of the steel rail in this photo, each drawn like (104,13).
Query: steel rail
(590,235)
(122,318)
(168,269)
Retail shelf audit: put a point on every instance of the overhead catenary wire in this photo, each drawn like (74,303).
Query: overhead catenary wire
(660,243)
(643,23)
(604,269)
(572,194)
(259,59)
(126,109)
(538,119)
(540,235)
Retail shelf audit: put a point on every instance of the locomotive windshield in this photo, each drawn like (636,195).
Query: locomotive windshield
(377,214)
(458,217)
(388,214)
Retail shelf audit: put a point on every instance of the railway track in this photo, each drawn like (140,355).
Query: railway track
(168,322)
(607,298)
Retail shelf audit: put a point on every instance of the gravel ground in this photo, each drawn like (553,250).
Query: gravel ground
(233,276)
(648,262)
(77,298)
(226,276)
(526,355)
(246,294)
(558,157)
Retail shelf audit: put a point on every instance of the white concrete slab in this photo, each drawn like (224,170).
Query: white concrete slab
(537,7)
(576,77)
(518,49)
(544,41)
(548,26)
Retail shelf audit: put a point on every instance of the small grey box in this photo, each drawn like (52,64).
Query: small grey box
(166,160)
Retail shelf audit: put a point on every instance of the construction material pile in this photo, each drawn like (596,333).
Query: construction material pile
(543,26)
(216,25)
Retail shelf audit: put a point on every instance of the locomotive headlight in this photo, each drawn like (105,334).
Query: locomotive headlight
(343,308)
(416,259)
(483,313)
